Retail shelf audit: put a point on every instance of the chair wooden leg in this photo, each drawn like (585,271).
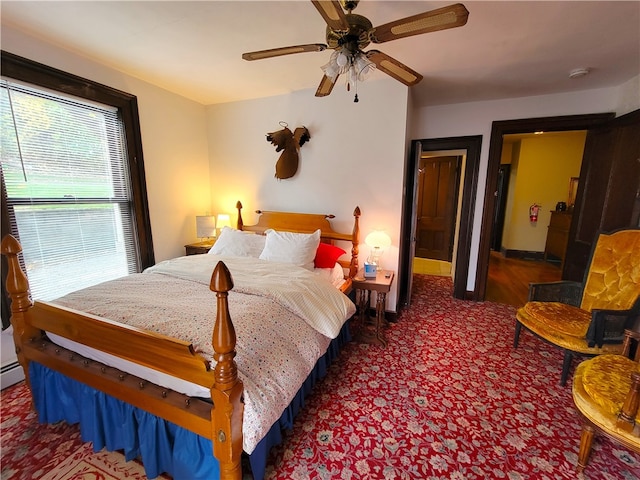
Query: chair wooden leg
(586,440)
(566,364)
(516,335)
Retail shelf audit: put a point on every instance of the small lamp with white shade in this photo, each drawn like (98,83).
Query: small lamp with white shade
(205,227)
(378,241)
(224,220)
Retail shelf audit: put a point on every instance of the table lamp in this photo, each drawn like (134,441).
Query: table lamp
(377,241)
(205,226)
(223,221)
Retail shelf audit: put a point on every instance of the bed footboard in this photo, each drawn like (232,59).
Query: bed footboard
(222,422)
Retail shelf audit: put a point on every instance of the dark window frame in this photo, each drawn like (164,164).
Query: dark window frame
(22,69)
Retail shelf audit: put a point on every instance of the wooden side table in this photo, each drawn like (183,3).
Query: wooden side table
(381,285)
(199,248)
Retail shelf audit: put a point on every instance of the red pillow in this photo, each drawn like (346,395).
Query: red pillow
(327,255)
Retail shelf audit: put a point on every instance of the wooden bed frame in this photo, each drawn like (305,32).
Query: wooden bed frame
(220,422)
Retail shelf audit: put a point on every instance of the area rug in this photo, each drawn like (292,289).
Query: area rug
(84,464)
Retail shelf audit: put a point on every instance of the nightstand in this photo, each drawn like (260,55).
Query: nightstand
(370,330)
(199,248)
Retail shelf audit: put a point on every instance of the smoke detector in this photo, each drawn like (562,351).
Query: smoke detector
(578,72)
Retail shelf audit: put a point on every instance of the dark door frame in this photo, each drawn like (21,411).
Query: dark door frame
(498,130)
(472,144)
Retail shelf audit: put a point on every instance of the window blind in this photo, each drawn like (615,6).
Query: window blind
(65,174)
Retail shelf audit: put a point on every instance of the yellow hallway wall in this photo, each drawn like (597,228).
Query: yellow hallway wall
(545,166)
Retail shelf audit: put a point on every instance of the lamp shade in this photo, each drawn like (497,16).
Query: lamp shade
(223,221)
(205,226)
(378,239)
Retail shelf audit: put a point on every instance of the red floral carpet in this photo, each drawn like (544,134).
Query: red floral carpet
(52,452)
(449,398)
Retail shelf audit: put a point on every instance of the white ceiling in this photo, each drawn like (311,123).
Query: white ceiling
(506,49)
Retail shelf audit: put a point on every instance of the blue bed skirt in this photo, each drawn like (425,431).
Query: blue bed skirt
(161,445)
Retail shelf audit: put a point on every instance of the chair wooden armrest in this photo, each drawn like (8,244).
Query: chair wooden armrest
(563,291)
(627,418)
(608,326)
(629,337)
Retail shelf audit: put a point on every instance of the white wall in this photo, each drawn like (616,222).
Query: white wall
(174,142)
(629,96)
(476,118)
(355,158)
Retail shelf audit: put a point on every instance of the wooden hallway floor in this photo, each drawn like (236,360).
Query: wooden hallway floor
(509,278)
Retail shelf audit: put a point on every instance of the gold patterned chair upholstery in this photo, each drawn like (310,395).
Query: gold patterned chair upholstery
(606,391)
(589,318)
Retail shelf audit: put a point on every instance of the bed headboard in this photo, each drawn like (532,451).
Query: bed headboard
(307,223)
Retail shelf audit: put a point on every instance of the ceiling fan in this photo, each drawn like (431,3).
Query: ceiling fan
(348,34)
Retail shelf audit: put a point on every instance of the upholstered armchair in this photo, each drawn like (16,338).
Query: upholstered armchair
(589,318)
(606,391)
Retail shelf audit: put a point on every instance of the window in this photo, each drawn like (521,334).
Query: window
(73,179)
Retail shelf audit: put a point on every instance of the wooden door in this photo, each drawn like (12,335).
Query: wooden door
(609,189)
(438,180)
(501,206)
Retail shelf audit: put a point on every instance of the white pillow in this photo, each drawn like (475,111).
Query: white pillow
(236,243)
(333,275)
(288,247)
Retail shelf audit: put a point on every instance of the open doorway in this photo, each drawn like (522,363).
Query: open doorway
(469,149)
(537,171)
(499,130)
(438,185)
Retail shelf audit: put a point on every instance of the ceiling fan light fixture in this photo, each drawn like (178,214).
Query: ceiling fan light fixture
(344,61)
(363,66)
(331,69)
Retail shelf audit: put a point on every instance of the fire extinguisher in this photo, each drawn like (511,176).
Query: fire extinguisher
(533,212)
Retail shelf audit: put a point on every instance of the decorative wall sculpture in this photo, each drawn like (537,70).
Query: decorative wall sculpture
(289,143)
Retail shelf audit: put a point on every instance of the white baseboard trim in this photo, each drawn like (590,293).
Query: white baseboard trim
(11,374)
(10,370)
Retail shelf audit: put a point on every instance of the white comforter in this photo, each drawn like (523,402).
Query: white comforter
(284,317)
(299,290)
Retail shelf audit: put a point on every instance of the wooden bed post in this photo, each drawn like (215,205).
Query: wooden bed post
(226,393)
(18,289)
(239,222)
(353,268)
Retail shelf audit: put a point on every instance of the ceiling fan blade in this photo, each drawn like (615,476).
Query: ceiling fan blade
(325,87)
(394,68)
(440,19)
(332,13)
(276,52)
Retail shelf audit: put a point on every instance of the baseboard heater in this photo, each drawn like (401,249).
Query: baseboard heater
(10,374)
(10,370)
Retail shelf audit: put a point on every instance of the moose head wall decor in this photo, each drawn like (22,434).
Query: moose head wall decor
(289,143)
